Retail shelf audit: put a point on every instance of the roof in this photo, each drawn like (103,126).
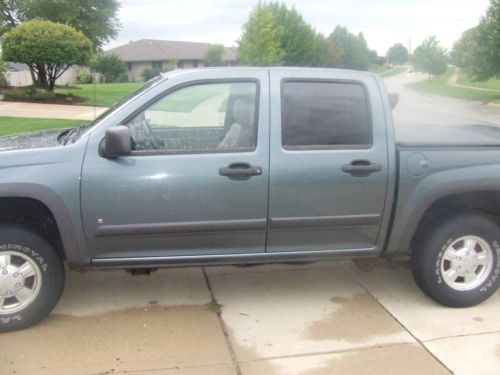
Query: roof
(162,50)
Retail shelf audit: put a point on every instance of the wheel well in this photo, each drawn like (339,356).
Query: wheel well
(486,202)
(35,215)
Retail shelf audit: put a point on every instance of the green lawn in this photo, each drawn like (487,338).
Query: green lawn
(386,72)
(13,125)
(493,83)
(106,94)
(439,86)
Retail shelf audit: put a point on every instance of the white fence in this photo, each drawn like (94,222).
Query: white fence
(23,78)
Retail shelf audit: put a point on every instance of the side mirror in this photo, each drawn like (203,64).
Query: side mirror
(116,143)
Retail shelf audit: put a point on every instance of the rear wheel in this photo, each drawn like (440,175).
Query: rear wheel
(456,262)
(31,278)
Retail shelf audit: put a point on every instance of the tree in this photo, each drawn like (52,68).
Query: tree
(355,52)
(213,56)
(97,19)
(397,54)
(430,58)
(275,30)
(111,66)
(260,43)
(298,37)
(3,69)
(478,49)
(464,50)
(48,48)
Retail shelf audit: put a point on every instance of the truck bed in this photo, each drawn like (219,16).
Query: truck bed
(476,135)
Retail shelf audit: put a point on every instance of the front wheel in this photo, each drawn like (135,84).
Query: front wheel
(31,278)
(456,262)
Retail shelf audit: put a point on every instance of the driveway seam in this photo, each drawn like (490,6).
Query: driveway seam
(327,352)
(222,324)
(458,336)
(420,342)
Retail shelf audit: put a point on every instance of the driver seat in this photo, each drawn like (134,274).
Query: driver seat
(241,133)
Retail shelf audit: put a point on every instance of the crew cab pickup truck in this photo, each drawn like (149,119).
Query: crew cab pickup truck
(248,165)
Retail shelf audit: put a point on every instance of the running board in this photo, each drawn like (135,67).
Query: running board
(219,259)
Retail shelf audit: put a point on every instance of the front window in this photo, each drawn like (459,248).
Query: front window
(206,117)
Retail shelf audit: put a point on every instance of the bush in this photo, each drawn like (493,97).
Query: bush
(30,93)
(111,66)
(149,73)
(123,78)
(84,76)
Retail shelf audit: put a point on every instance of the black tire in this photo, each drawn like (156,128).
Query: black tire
(20,245)
(430,259)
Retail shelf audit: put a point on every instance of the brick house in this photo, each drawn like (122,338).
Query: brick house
(165,55)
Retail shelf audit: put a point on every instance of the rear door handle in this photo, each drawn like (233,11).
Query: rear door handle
(361,168)
(240,171)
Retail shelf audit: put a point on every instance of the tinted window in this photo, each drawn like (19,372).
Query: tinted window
(204,117)
(324,114)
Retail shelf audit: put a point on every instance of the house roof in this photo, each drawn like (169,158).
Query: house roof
(161,50)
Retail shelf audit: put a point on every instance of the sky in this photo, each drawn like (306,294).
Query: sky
(383,22)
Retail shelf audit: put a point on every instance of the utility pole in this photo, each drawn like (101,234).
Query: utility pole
(409,46)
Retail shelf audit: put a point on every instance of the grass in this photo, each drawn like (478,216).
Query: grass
(384,71)
(439,86)
(14,125)
(493,83)
(106,94)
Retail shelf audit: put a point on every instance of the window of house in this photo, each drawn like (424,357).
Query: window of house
(129,66)
(203,117)
(157,65)
(324,114)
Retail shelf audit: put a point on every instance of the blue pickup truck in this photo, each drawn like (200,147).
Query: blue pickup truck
(248,165)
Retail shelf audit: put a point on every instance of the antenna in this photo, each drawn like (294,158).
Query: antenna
(95,77)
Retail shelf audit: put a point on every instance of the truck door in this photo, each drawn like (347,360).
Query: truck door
(196,182)
(329,162)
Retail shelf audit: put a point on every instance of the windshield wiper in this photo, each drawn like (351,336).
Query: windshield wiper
(72,134)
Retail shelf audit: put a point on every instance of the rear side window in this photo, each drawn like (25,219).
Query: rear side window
(324,114)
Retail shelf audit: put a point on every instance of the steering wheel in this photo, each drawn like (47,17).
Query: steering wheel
(142,135)
(149,133)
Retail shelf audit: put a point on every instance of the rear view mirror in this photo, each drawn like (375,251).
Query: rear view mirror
(117,142)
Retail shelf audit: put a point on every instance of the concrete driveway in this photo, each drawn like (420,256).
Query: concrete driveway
(322,318)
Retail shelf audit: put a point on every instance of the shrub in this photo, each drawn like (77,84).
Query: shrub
(30,93)
(84,76)
(111,66)
(149,73)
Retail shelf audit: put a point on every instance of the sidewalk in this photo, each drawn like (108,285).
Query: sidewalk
(453,81)
(59,111)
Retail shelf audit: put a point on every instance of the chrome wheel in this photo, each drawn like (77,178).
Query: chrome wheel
(20,281)
(467,263)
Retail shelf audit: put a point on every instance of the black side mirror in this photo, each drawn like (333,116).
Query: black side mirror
(116,143)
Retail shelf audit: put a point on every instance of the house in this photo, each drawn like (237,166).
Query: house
(165,55)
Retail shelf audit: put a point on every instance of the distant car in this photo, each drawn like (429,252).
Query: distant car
(248,165)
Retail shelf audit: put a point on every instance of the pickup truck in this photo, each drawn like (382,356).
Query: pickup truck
(248,165)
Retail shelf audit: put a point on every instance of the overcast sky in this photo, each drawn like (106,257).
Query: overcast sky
(383,22)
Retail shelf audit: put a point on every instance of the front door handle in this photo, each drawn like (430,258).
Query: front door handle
(240,171)
(361,168)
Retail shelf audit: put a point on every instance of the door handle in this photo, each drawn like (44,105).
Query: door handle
(361,168)
(240,171)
